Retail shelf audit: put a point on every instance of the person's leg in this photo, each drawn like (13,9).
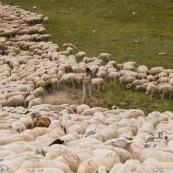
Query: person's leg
(84,94)
(89,94)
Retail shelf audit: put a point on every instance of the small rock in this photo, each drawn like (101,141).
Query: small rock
(162,54)
(136,41)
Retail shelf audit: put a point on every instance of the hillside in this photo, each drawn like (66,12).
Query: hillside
(129,30)
(43,125)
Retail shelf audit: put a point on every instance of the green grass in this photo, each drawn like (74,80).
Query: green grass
(113,26)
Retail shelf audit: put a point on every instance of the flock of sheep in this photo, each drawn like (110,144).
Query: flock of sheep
(38,137)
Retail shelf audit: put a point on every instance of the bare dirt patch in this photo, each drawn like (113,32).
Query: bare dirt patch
(71,96)
(62,97)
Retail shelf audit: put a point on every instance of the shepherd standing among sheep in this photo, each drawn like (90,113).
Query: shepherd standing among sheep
(87,77)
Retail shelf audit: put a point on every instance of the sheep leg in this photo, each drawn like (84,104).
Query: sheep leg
(73,84)
(162,96)
(105,79)
(103,87)
(98,88)
(170,95)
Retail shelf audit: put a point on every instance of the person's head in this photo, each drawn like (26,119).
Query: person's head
(88,70)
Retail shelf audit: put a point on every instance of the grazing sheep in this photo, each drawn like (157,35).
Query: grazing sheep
(126,79)
(97,82)
(151,90)
(78,69)
(66,45)
(128,67)
(142,87)
(136,82)
(156,70)
(113,76)
(163,80)
(142,69)
(104,56)
(68,78)
(150,78)
(101,74)
(165,89)
(142,76)
(80,55)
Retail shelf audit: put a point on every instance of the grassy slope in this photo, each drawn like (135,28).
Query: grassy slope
(111,26)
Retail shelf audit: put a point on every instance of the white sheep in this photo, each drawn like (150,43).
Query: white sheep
(156,70)
(55,151)
(151,90)
(101,169)
(142,76)
(150,78)
(171,81)
(104,56)
(113,76)
(101,74)
(68,78)
(97,82)
(81,108)
(142,69)
(163,80)
(17,100)
(18,126)
(136,82)
(128,67)
(165,89)
(38,92)
(80,55)
(34,102)
(78,69)
(66,45)
(118,142)
(126,79)
(106,158)
(29,98)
